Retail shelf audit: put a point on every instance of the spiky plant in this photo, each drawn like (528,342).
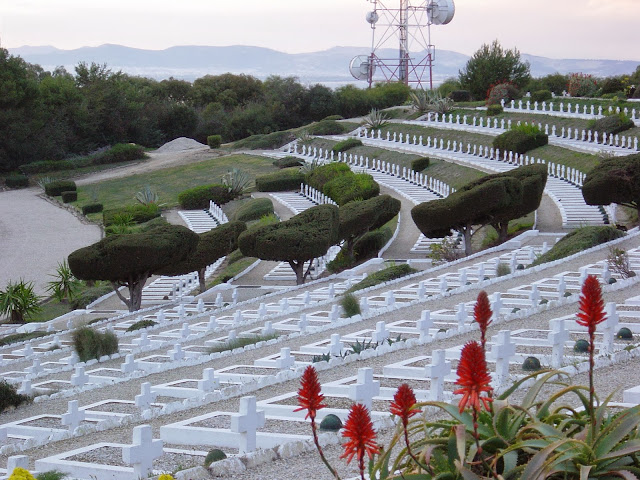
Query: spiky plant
(147,196)
(376,119)
(237,181)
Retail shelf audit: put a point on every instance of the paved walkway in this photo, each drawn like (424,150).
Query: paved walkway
(35,235)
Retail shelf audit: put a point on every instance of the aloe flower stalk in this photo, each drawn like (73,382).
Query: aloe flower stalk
(482,315)
(361,436)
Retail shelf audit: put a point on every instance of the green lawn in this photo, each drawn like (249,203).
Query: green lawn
(169,182)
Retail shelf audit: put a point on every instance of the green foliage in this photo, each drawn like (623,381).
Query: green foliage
(323,174)
(346,144)
(618,261)
(140,324)
(353,186)
(21,337)
(502,269)
(89,343)
(283,180)
(88,295)
(92,208)
(254,209)
(350,305)
(131,214)
(616,180)
(240,342)
(287,162)
(381,276)
(147,196)
(198,198)
(54,189)
(326,127)
(19,300)
(51,475)
(624,334)
(333,117)
(611,124)
(237,181)
(9,396)
(331,423)
(16,181)
(214,141)
(375,119)
(460,96)
(445,251)
(577,241)
(492,64)
(214,455)
(581,85)
(555,82)
(541,96)
(358,347)
(419,164)
(68,197)
(518,141)
(495,109)
(268,141)
(65,285)
(505,91)
(531,364)
(371,243)
(121,152)
(581,346)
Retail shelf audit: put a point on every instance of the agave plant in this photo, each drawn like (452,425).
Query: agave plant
(376,119)
(237,181)
(309,167)
(420,101)
(44,181)
(147,196)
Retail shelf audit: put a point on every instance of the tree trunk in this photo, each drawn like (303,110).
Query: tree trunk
(466,235)
(503,231)
(298,269)
(203,283)
(135,286)
(17,316)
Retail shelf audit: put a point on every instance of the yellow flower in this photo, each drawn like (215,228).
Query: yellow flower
(165,476)
(21,474)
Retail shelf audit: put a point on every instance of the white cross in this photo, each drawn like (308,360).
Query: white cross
(424,324)
(146,397)
(303,323)
(237,317)
(496,305)
(17,461)
(284,305)
(160,316)
(502,350)
(262,310)
(335,313)
(461,315)
(143,341)
(443,285)
(610,327)
(365,389)
(129,364)
(246,423)
(562,287)
(381,333)
(3,434)
(422,290)
(268,329)
(212,324)
(285,361)
(335,348)
(73,417)
(534,296)
(25,389)
(35,369)
(209,381)
(234,296)
(200,305)
(436,372)
(181,311)
(185,331)
(143,451)
(364,305)
(176,353)
(219,302)
(306,298)
(557,337)
(390,299)
(79,378)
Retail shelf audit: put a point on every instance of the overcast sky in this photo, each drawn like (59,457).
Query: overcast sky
(552,28)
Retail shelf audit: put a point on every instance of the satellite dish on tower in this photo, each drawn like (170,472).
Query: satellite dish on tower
(372,17)
(440,12)
(359,67)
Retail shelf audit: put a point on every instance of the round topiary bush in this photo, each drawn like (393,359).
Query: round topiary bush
(460,96)
(214,455)
(198,197)
(503,91)
(581,346)
(541,96)
(493,110)
(331,423)
(214,141)
(612,281)
(92,208)
(624,334)
(419,164)
(68,197)
(531,364)
(16,181)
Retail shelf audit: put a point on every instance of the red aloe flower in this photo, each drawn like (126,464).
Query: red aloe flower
(309,395)
(362,437)
(482,315)
(404,404)
(473,377)
(591,305)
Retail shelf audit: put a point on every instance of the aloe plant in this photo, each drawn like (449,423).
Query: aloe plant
(376,119)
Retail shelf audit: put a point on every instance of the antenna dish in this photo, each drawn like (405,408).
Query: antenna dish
(372,17)
(440,12)
(359,67)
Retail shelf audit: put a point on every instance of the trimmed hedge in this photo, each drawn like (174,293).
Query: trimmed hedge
(121,152)
(139,214)
(519,142)
(326,127)
(140,324)
(615,180)
(334,117)
(352,186)
(288,162)
(493,110)
(419,164)
(541,96)
(611,124)
(214,141)
(285,179)
(198,198)
(381,276)
(16,181)
(346,144)
(577,241)
(319,177)
(269,141)
(90,295)
(460,96)
(254,209)
(370,244)
(55,189)
(68,197)
(92,208)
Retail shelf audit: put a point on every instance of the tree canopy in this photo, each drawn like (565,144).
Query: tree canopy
(212,245)
(304,237)
(616,180)
(492,64)
(129,260)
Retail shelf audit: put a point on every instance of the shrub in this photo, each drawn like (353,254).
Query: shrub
(9,396)
(198,198)
(460,96)
(331,423)
(89,343)
(120,152)
(269,141)
(89,295)
(493,110)
(283,180)
(611,124)
(44,166)
(581,85)
(326,127)
(323,174)
(419,164)
(56,188)
(254,209)
(214,141)
(502,269)
(579,240)
(214,455)
(624,334)
(288,162)
(541,96)
(581,346)
(140,324)
(612,85)
(68,197)
(151,224)
(92,208)
(346,144)
(370,244)
(136,214)
(350,305)
(16,181)
(502,91)
(520,139)
(531,364)
(381,276)
(346,188)
(21,337)
(334,117)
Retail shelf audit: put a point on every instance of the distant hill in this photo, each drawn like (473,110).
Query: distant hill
(327,66)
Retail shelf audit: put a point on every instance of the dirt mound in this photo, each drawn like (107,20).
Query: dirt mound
(179,145)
